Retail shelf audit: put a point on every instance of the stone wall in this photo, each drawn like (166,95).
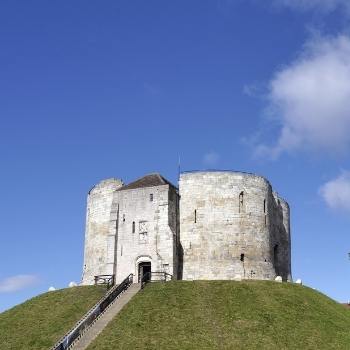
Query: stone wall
(224,225)
(281,237)
(230,225)
(97,232)
(145,220)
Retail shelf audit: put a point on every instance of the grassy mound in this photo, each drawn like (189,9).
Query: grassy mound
(228,315)
(38,323)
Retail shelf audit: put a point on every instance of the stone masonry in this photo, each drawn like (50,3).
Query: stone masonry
(232,225)
(218,225)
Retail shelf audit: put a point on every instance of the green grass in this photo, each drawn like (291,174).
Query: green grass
(228,315)
(38,323)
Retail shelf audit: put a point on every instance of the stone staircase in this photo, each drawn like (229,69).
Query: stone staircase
(101,322)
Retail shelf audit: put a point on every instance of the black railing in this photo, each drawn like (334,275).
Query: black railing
(92,315)
(105,279)
(155,276)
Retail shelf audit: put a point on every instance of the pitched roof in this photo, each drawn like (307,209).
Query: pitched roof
(149,180)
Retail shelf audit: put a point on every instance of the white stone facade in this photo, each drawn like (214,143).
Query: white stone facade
(219,225)
(232,224)
(98,212)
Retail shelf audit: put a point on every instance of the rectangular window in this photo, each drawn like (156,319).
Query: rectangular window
(195,216)
(151,197)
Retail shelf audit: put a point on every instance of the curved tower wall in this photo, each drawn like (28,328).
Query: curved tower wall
(99,241)
(280,233)
(228,226)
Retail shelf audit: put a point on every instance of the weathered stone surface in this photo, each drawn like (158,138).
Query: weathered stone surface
(228,225)
(232,223)
(154,236)
(99,204)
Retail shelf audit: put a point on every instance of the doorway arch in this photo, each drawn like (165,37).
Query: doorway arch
(144,271)
(143,266)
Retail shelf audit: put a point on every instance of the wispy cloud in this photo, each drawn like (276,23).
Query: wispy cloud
(315,5)
(18,282)
(336,192)
(211,159)
(309,99)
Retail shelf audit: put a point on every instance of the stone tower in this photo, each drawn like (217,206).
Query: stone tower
(232,224)
(99,241)
(218,225)
(146,216)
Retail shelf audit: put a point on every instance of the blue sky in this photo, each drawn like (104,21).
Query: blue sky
(91,90)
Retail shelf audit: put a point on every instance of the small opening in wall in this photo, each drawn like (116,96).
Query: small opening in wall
(121,250)
(195,216)
(242,257)
(241,201)
(265,220)
(133,227)
(264,205)
(123,217)
(151,197)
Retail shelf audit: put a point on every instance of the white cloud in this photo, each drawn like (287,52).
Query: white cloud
(318,5)
(211,158)
(16,283)
(310,99)
(336,192)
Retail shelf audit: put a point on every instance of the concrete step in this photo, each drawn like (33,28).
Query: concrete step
(97,327)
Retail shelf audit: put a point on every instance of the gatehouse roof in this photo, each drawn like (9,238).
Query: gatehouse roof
(150,180)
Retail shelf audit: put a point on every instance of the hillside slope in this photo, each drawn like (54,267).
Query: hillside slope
(38,323)
(228,315)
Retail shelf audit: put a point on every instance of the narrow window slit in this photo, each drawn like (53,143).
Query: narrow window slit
(241,201)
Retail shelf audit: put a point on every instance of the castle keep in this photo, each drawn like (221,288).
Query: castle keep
(217,225)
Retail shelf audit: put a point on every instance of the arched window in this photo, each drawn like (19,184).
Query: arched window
(133,227)
(241,202)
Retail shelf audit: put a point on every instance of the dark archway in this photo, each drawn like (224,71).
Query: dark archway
(144,271)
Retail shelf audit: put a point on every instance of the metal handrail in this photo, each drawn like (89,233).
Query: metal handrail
(155,276)
(104,279)
(86,321)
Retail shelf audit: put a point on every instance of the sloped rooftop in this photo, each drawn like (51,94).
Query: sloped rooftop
(149,180)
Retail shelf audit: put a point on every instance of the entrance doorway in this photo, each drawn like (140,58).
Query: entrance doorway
(145,270)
